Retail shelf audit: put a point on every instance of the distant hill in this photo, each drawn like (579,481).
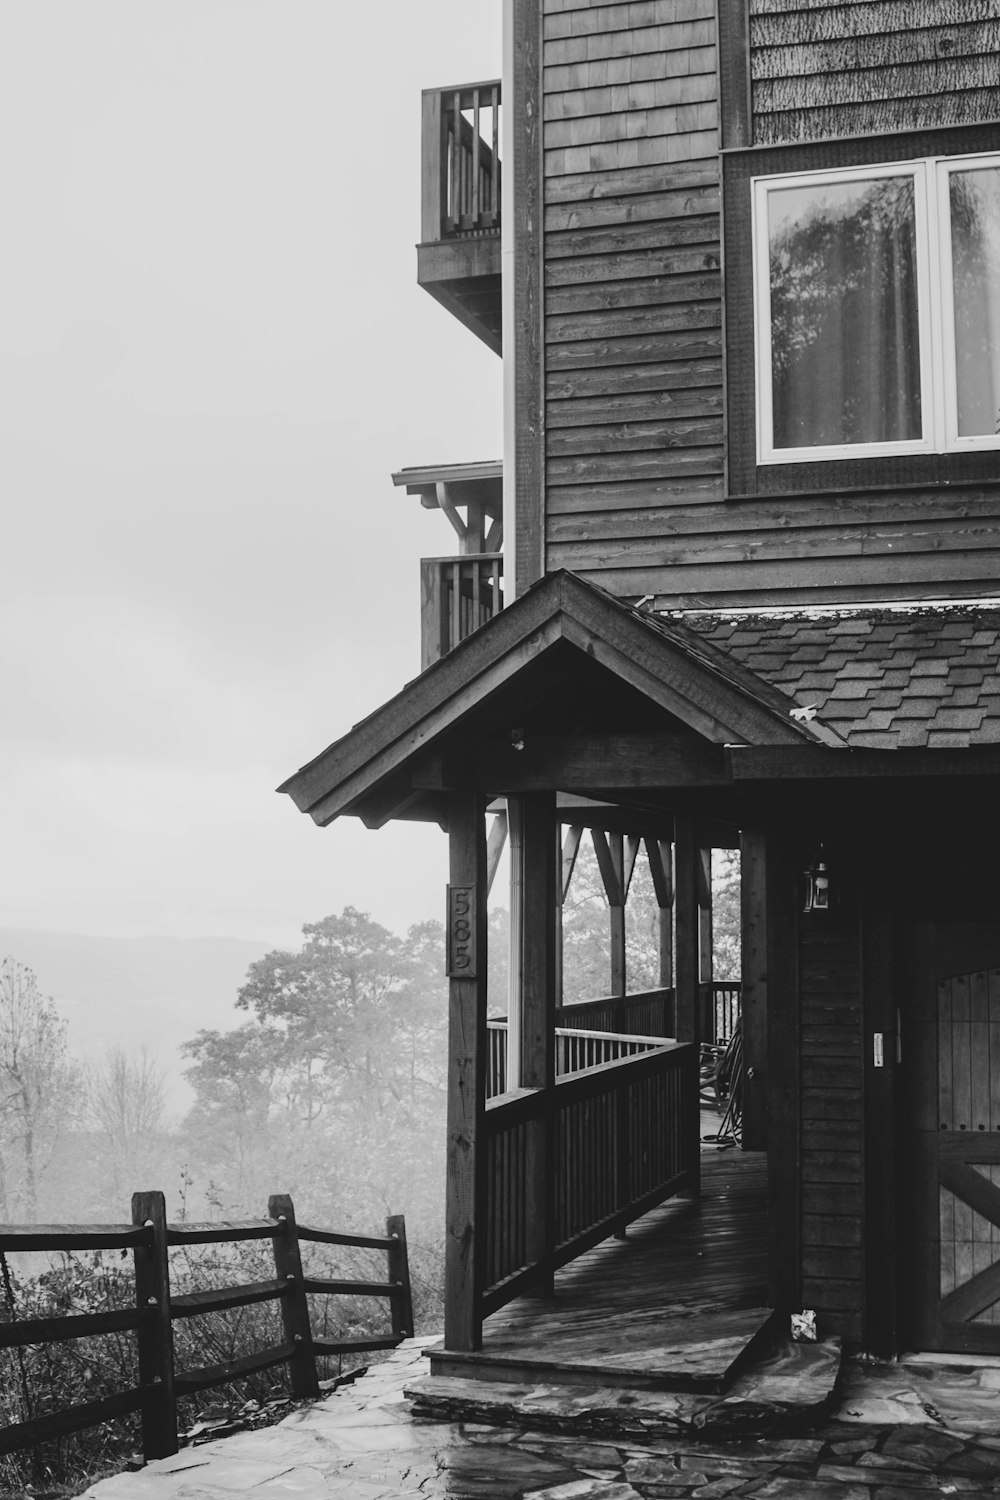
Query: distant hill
(132,992)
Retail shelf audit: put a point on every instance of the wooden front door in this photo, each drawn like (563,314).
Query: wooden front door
(954,1004)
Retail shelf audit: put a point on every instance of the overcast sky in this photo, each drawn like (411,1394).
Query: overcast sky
(213,352)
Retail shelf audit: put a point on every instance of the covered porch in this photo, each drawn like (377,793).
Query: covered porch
(570,713)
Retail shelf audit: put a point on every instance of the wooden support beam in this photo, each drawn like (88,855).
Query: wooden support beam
(495,847)
(819,763)
(661,868)
(537,1031)
(686,906)
(632,842)
(457,524)
(753,986)
(570,850)
(610,851)
(465,1196)
(704,878)
(619,762)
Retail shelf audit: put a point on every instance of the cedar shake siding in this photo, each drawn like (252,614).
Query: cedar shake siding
(823,70)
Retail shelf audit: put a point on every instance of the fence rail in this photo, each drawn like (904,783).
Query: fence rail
(461,161)
(620,1138)
(150,1237)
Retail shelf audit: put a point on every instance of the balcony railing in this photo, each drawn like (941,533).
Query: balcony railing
(457,596)
(461,153)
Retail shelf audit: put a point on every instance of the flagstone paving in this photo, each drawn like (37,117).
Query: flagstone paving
(911,1430)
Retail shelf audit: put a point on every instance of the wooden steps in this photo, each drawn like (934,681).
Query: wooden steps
(645,1350)
(788,1391)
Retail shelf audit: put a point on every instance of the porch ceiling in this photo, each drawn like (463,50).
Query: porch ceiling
(568,689)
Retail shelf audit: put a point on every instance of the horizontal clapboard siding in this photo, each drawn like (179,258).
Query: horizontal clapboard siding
(663,537)
(633,350)
(830,69)
(832,1194)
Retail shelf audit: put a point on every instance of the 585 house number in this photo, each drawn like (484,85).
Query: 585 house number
(461,932)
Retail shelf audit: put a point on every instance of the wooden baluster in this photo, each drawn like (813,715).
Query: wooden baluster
(477,147)
(477,602)
(455,603)
(495,163)
(294,1303)
(155,1335)
(456,170)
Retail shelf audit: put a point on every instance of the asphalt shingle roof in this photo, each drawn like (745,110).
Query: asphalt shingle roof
(883,679)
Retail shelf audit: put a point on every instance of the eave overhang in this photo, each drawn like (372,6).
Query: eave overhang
(661,679)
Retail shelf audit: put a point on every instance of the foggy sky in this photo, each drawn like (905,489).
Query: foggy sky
(212,354)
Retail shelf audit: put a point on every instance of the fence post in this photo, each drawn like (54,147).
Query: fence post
(294,1303)
(398,1266)
(155,1334)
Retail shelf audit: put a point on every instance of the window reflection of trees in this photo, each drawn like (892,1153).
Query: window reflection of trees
(844,335)
(975,249)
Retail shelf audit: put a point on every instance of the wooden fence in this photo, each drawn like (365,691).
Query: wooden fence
(150,1239)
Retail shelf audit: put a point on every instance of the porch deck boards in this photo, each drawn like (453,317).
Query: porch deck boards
(678,1303)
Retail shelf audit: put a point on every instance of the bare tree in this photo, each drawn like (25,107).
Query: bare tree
(126,1101)
(38,1086)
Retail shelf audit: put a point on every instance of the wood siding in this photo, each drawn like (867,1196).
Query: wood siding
(633,398)
(825,68)
(633,359)
(831,1123)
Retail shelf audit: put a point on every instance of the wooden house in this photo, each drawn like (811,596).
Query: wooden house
(744,270)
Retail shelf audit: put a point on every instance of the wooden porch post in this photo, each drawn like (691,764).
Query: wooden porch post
(688,930)
(539,873)
(783,1076)
(687,1010)
(708,1023)
(661,868)
(465,1199)
(753,982)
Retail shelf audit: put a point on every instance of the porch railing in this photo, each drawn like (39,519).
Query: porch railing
(576,1051)
(624,1136)
(457,596)
(461,161)
(646,1013)
(720,1010)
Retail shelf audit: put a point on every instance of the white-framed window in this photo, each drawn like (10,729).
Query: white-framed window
(877,310)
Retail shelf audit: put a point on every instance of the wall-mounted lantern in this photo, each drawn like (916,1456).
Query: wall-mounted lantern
(817,879)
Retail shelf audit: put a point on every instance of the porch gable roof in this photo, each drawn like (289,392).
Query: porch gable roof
(562,621)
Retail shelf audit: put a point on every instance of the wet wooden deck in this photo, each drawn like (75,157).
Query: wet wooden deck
(678,1303)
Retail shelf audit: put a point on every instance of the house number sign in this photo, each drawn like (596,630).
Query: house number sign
(461,932)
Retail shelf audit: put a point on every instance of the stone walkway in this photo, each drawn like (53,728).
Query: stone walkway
(902,1430)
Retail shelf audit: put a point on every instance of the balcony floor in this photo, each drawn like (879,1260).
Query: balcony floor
(677,1305)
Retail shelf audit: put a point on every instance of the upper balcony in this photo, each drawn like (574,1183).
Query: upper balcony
(459,594)
(458,259)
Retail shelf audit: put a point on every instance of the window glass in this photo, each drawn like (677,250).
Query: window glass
(974,198)
(845,338)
